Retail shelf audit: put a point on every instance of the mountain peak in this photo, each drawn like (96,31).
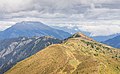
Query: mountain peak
(81,35)
(32,28)
(25,22)
(78,34)
(30,25)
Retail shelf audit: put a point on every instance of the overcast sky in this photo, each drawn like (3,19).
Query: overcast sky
(105,12)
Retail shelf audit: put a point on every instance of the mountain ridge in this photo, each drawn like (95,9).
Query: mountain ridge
(16,49)
(114,42)
(76,55)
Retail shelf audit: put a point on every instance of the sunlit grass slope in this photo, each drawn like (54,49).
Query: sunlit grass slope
(76,55)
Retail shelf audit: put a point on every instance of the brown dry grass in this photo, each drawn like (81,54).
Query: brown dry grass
(75,56)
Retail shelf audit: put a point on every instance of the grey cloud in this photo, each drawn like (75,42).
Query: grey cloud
(50,9)
(82,12)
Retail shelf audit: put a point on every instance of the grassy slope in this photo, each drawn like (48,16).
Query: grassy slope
(74,56)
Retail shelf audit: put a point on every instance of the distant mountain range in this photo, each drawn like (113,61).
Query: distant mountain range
(114,42)
(104,38)
(78,54)
(30,29)
(71,30)
(75,29)
(16,49)
(35,48)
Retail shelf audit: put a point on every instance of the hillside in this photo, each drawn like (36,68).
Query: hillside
(30,29)
(16,49)
(114,42)
(76,55)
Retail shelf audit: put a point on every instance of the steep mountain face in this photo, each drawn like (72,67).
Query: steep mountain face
(114,42)
(29,29)
(76,55)
(16,49)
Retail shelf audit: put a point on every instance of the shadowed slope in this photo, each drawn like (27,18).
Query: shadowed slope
(17,49)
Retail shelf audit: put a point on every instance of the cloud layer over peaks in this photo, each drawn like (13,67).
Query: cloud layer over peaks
(60,11)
